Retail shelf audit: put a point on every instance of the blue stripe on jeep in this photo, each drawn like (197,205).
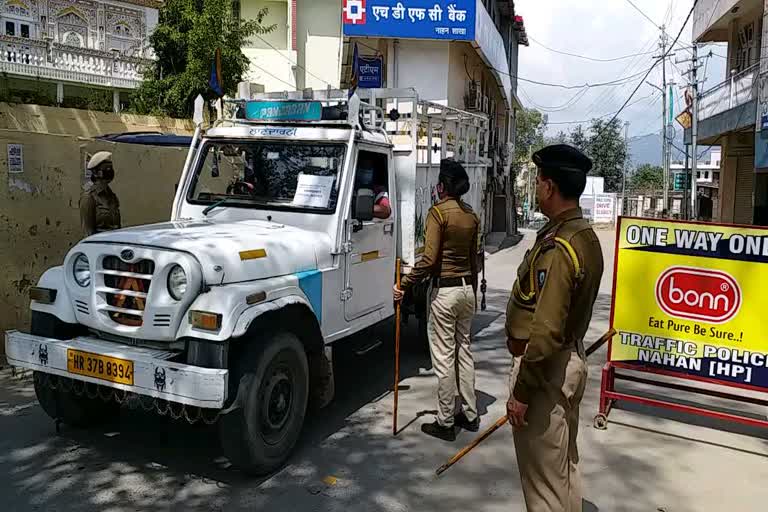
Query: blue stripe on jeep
(311,283)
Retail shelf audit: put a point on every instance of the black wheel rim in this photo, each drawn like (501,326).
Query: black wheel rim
(276,403)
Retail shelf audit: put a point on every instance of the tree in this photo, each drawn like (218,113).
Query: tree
(529,137)
(185,42)
(579,139)
(608,152)
(647,178)
(560,138)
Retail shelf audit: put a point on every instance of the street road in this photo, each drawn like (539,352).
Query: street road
(648,460)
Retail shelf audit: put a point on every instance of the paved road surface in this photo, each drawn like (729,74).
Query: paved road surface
(349,461)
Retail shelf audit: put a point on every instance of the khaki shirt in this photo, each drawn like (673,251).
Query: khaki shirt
(551,304)
(450,248)
(99,209)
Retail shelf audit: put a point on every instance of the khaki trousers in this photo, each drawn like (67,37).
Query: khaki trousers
(450,321)
(547,454)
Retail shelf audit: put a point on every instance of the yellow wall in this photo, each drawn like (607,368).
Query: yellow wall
(39,216)
(84,123)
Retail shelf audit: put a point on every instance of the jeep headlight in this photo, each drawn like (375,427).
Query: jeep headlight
(81,271)
(177,282)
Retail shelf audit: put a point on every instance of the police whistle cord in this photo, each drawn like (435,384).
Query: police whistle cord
(397,348)
(501,421)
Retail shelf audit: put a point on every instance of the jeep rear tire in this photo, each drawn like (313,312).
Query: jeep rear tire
(259,435)
(62,403)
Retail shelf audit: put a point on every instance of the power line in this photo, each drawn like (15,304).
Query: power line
(643,13)
(572,101)
(619,81)
(690,13)
(602,116)
(584,56)
(660,27)
(273,76)
(607,96)
(292,62)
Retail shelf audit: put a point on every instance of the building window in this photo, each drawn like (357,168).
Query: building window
(10,28)
(745,47)
(236,9)
(25,30)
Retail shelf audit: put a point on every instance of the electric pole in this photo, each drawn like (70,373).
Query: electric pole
(624,173)
(693,101)
(664,163)
(694,128)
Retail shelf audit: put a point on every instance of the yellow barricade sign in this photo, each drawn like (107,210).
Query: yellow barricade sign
(689,300)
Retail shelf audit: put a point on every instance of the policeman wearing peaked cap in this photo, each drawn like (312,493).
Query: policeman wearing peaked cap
(99,206)
(548,313)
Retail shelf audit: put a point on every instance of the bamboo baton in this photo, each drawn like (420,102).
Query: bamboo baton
(599,343)
(397,348)
(493,428)
(501,421)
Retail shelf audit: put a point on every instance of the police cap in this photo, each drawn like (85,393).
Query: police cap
(563,158)
(102,157)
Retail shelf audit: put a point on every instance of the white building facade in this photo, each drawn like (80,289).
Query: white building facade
(70,48)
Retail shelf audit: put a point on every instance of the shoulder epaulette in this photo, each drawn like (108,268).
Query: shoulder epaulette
(438,213)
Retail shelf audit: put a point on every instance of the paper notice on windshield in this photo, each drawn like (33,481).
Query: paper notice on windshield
(313,191)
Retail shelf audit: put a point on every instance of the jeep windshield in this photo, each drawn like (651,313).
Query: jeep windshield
(270,175)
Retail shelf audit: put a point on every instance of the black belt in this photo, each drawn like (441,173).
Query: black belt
(451,282)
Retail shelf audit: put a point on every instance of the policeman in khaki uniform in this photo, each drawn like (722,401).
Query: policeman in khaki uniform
(99,206)
(450,260)
(547,317)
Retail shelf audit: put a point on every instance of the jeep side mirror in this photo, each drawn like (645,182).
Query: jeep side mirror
(363,210)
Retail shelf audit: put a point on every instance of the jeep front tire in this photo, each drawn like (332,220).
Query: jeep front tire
(260,434)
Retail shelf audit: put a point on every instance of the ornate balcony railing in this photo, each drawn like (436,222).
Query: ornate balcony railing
(63,63)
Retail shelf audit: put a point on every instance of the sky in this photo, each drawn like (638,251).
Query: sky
(604,29)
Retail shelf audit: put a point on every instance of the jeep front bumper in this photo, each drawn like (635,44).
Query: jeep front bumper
(153,374)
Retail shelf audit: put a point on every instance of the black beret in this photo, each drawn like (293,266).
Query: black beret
(453,169)
(562,157)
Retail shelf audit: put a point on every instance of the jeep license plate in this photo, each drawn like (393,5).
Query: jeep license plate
(100,367)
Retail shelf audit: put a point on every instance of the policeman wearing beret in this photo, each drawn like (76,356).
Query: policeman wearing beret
(99,206)
(450,260)
(547,317)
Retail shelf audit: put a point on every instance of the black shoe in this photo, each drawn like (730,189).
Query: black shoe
(440,432)
(461,421)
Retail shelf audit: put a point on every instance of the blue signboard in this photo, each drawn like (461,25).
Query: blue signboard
(414,19)
(369,71)
(761,152)
(284,110)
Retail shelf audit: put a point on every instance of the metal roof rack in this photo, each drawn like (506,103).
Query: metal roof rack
(352,111)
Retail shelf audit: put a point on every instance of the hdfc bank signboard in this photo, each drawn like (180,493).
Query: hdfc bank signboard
(689,300)
(410,19)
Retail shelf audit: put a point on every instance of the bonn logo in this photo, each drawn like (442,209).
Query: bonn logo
(698,294)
